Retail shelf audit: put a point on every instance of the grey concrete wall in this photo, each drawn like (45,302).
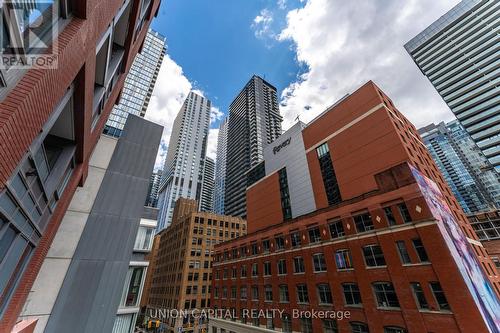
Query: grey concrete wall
(91,291)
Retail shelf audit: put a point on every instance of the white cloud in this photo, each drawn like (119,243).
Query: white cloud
(344,44)
(262,24)
(281,4)
(212,143)
(215,114)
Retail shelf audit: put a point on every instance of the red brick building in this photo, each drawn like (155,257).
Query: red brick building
(50,121)
(367,243)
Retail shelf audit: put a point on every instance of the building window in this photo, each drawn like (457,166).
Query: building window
(403,252)
(133,284)
(343,259)
(352,296)
(306,325)
(255,269)
(336,229)
(266,246)
(302,295)
(330,326)
(270,324)
(286,206)
(254,249)
(280,243)
(420,249)
(373,256)
(405,213)
(267,268)
(419,295)
(233,292)
(363,222)
(224,292)
(284,297)
(286,323)
(438,293)
(124,323)
(358,327)
(243,271)
(386,295)
(325,294)
(295,239)
(394,329)
(319,262)
(314,235)
(298,265)
(282,267)
(391,220)
(255,293)
(328,173)
(268,293)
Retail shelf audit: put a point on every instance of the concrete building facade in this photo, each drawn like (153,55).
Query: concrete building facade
(50,122)
(458,53)
(207,186)
(139,83)
(375,255)
(183,169)
(183,268)
(154,187)
(254,121)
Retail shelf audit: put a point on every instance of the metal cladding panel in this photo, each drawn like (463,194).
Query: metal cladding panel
(288,151)
(89,298)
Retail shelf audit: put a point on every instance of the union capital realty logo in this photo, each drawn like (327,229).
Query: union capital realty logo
(28,33)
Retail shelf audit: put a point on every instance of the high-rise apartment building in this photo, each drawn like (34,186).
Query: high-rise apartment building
(459,55)
(470,176)
(207,186)
(50,123)
(139,83)
(487,228)
(154,186)
(183,268)
(254,121)
(220,168)
(183,169)
(382,245)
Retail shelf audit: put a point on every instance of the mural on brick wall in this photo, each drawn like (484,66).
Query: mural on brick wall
(465,258)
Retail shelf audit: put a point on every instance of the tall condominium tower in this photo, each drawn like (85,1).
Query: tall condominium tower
(139,83)
(459,55)
(154,186)
(183,169)
(53,161)
(254,121)
(220,168)
(473,181)
(207,186)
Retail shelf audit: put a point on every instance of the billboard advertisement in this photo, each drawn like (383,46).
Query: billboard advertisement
(468,264)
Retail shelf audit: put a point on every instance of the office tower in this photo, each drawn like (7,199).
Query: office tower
(472,180)
(487,228)
(154,186)
(183,272)
(50,123)
(459,55)
(382,237)
(220,168)
(254,121)
(139,83)
(207,186)
(183,169)
(104,234)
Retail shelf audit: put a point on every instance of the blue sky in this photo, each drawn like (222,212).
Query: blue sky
(215,43)
(313,51)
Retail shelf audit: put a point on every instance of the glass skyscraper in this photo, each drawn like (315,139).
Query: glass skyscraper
(254,121)
(139,83)
(460,55)
(469,174)
(220,168)
(183,170)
